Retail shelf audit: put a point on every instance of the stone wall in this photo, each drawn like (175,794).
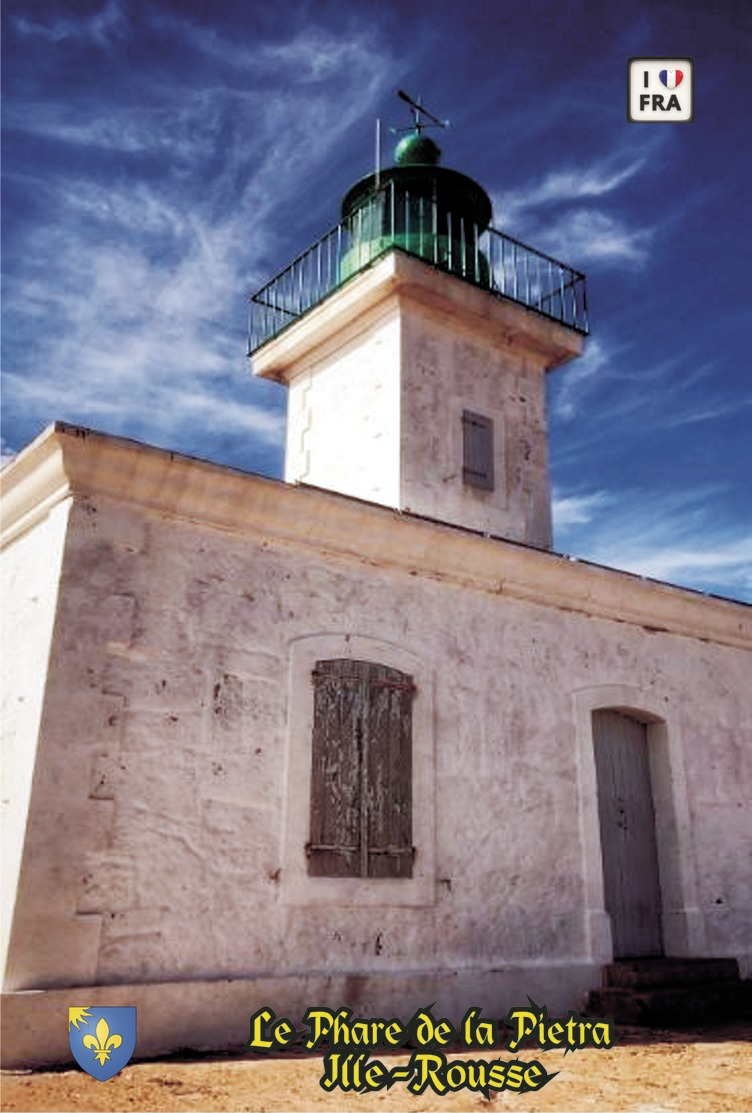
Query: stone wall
(30,576)
(168,818)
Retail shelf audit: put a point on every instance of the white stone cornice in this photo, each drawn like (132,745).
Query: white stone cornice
(66,460)
(32,485)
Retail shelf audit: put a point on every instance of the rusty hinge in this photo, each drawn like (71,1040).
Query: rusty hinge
(393,850)
(311,848)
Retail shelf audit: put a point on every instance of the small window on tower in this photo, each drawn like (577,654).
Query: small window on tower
(477,451)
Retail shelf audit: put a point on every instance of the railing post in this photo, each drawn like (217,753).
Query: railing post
(318,271)
(421,223)
(435,224)
(310,277)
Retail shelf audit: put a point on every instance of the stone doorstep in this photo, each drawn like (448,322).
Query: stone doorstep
(676,1007)
(646,973)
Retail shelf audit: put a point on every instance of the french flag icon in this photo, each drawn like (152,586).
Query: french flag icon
(671,78)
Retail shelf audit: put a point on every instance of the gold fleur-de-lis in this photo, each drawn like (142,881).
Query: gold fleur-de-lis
(103,1044)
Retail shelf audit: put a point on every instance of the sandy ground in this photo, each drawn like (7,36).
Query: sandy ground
(708,1069)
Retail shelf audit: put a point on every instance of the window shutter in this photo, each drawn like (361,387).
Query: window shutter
(389,778)
(335,781)
(477,451)
(361,786)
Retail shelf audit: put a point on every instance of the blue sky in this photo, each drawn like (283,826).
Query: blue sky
(164,158)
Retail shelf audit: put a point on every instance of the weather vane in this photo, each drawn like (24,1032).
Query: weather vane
(418,110)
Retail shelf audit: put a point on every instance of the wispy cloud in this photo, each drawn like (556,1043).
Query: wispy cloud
(308,57)
(101,28)
(135,344)
(700,411)
(151,130)
(730,561)
(580,228)
(612,384)
(591,236)
(570,388)
(573,183)
(129,290)
(666,535)
(577,510)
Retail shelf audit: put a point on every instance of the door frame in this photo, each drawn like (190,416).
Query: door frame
(682,920)
(628,834)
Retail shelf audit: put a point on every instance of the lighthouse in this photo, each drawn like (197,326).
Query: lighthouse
(414,340)
(359,739)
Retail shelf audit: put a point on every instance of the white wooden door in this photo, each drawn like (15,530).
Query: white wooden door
(627,822)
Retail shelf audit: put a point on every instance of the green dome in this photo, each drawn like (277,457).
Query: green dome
(417,150)
(421,208)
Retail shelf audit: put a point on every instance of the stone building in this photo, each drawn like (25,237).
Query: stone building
(359,738)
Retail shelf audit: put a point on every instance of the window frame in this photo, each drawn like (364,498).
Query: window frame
(294,884)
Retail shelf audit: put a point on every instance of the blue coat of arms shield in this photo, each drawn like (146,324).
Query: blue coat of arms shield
(102,1040)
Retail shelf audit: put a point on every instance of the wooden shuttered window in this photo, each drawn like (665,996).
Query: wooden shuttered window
(361,782)
(477,450)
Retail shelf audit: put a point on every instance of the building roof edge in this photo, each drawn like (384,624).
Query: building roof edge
(72,461)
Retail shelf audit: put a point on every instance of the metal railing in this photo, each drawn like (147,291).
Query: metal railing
(487,258)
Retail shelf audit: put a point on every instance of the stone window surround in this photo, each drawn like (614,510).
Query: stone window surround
(296,887)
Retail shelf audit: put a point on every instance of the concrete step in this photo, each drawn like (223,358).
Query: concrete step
(673,1006)
(646,973)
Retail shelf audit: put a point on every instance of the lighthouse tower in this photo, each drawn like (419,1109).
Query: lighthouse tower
(415,340)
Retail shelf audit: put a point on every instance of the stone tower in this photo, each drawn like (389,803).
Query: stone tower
(415,340)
